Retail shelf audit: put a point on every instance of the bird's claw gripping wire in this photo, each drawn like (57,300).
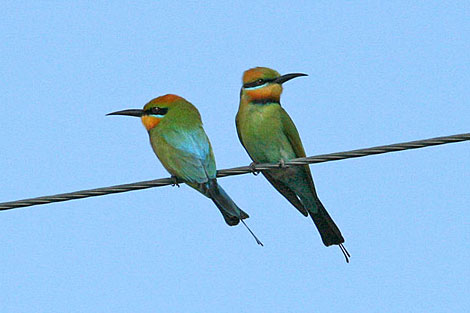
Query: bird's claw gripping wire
(175,182)
(253,169)
(282,164)
(236,171)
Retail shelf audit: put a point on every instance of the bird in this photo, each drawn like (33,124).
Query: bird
(179,141)
(269,135)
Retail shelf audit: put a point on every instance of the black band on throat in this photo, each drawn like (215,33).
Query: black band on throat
(265,101)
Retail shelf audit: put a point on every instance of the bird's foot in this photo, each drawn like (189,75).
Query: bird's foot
(253,168)
(175,181)
(282,164)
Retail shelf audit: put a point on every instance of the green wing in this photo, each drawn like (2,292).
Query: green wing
(237,124)
(294,138)
(287,192)
(280,186)
(186,154)
(292,134)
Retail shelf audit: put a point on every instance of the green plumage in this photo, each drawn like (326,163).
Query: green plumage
(182,146)
(180,143)
(268,134)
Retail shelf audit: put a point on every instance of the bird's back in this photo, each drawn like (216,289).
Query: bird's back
(182,145)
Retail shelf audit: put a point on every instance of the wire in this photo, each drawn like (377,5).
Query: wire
(238,171)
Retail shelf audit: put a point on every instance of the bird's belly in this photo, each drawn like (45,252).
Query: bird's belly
(267,144)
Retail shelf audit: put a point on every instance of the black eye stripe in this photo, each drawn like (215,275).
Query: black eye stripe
(258,82)
(156,111)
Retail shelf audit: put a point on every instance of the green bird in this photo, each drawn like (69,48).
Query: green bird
(175,129)
(269,136)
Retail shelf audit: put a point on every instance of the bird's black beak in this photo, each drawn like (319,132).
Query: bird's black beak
(282,79)
(131,112)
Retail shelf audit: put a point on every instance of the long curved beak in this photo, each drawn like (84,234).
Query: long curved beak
(131,112)
(282,79)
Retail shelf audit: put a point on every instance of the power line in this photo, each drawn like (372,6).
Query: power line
(238,171)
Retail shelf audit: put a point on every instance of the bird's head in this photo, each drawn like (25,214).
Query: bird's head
(154,111)
(264,84)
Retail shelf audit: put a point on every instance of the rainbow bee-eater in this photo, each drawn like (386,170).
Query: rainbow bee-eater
(175,129)
(269,136)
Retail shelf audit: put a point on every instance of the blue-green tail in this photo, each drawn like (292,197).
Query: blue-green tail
(230,211)
(329,232)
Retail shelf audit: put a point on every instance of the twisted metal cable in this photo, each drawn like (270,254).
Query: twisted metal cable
(238,171)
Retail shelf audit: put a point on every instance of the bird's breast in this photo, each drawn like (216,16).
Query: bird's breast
(263,135)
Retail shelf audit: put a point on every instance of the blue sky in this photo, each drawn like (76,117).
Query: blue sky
(379,73)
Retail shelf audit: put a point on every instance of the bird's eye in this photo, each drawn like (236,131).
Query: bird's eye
(256,83)
(157,111)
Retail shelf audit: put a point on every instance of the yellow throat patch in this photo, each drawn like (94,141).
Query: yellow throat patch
(150,121)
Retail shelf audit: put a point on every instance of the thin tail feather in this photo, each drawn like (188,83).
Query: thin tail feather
(254,236)
(231,212)
(329,232)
